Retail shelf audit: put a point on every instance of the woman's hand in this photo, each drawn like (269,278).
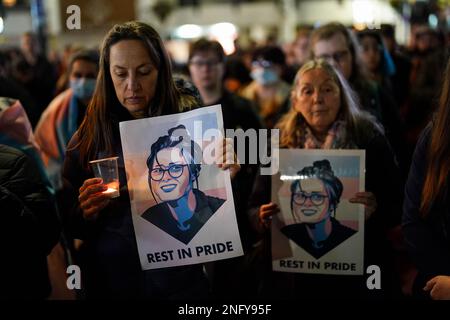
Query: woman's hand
(440,288)
(91,198)
(368,200)
(227,158)
(266,211)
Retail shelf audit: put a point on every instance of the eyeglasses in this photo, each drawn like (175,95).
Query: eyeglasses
(175,171)
(337,56)
(316,198)
(262,64)
(201,63)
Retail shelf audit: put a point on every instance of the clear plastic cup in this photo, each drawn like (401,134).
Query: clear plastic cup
(107,170)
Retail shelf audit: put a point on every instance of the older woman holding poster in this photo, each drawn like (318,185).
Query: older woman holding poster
(134,81)
(325,115)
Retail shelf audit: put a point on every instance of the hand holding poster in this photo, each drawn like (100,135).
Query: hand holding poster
(318,230)
(181,202)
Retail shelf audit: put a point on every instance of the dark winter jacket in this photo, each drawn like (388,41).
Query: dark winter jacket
(30,227)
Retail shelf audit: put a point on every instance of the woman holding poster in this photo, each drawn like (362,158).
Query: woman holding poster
(325,115)
(135,81)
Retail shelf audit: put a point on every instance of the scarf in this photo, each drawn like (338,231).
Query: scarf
(335,139)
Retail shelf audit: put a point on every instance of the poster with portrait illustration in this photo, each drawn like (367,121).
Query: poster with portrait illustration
(318,230)
(181,201)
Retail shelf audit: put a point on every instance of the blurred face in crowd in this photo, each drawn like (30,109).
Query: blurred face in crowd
(28,44)
(206,70)
(317,98)
(370,53)
(424,41)
(83,69)
(265,72)
(301,47)
(83,78)
(336,51)
(310,202)
(134,76)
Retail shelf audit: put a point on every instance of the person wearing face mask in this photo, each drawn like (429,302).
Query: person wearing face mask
(65,113)
(268,91)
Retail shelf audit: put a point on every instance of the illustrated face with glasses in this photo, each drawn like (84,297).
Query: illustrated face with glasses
(336,51)
(206,59)
(310,201)
(169,175)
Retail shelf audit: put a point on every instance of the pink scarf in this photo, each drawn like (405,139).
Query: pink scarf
(335,138)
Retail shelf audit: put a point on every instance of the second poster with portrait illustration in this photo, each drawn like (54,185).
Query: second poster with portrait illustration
(318,229)
(182,203)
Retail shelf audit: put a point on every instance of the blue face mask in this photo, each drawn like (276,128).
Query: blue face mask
(264,76)
(83,88)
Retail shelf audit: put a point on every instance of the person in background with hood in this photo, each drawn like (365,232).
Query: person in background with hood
(66,112)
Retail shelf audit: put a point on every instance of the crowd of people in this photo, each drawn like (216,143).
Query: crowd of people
(333,87)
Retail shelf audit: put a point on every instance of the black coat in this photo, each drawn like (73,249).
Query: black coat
(427,240)
(30,227)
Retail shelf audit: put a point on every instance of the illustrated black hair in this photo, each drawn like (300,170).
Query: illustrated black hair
(321,170)
(178,137)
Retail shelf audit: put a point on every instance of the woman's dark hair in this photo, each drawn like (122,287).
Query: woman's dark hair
(178,137)
(96,131)
(321,170)
(438,166)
